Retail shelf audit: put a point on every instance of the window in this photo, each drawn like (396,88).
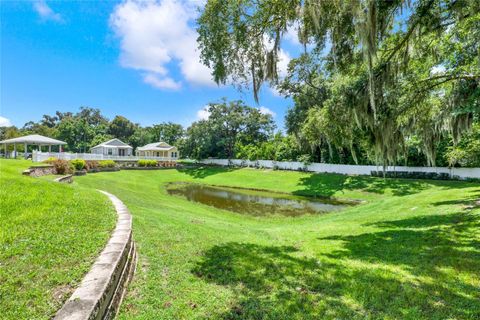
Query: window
(158,154)
(109,151)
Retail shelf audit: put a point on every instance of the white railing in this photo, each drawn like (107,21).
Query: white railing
(42,156)
(462,173)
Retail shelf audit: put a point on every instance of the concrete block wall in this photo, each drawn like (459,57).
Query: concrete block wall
(460,173)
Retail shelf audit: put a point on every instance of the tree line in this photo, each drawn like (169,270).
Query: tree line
(389,82)
(232,130)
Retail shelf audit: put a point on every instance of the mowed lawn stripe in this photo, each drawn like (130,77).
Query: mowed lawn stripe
(50,235)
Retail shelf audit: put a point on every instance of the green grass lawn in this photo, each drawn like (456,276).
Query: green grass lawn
(411,251)
(50,234)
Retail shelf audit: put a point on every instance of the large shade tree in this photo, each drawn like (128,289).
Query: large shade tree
(229,124)
(168,132)
(392,70)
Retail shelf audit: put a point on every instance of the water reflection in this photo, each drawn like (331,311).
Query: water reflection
(258,203)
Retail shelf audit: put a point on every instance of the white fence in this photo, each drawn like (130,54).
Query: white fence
(461,173)
(42,156)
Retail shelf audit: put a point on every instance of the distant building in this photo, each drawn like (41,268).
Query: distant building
(114,147)
(158,149)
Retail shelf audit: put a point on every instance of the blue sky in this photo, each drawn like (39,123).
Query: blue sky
(128,58)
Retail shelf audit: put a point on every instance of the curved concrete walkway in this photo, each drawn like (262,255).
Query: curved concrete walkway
(102,289)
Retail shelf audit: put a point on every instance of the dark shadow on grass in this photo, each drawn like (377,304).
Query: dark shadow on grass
(358,281)
(327,184)
(420,245)
(201,172)
(473,200)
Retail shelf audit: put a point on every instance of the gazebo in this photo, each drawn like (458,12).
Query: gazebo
(33,139)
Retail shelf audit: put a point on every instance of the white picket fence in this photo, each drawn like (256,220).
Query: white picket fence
(461,173)
(42,156)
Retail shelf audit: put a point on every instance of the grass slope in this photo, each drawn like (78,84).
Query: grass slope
(50,234)
(412,251)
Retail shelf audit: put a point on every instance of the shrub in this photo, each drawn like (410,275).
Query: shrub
(78,164)
(106,164)
(91,164)
(62,166)
(50,160)
(306,159)
(147,163)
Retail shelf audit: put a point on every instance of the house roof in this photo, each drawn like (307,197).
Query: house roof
(156,146)
(113,143)
(33,139)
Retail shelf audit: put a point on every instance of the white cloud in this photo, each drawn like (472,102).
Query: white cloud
(291,34)
(4,122)
(161,83)
(46,12)
(282,64)
(154,35)
(265,110)
(275,92)
(203,114)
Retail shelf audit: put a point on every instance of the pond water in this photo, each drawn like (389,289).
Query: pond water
(253,202)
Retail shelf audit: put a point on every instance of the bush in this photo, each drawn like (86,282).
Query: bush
(147,163)
(78,164)
(106,164)
(62,166)
(306,159)
(91,164)
(50,160)
(414,175)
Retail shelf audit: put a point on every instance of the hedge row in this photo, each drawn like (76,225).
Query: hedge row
(414,175)
(66,167)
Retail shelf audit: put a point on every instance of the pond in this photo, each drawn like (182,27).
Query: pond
(255,202)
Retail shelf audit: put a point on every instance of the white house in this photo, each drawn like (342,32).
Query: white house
(158,149)
(113,147)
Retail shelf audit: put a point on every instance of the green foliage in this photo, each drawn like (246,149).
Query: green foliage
(106,164)
(80,129)
(373,73)
(141,137)
(229,124)
(78,164)
(467,152)
(279,148)
(121,128)
(62,166)
(168,132)
(305,158)
(50,160)
(147,163)
(98,139)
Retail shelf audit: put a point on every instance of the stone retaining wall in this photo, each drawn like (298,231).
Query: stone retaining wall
(102,289)
(65,179)
(38,171)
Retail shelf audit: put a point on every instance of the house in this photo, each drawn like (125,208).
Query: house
(113,147)
(158,149)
